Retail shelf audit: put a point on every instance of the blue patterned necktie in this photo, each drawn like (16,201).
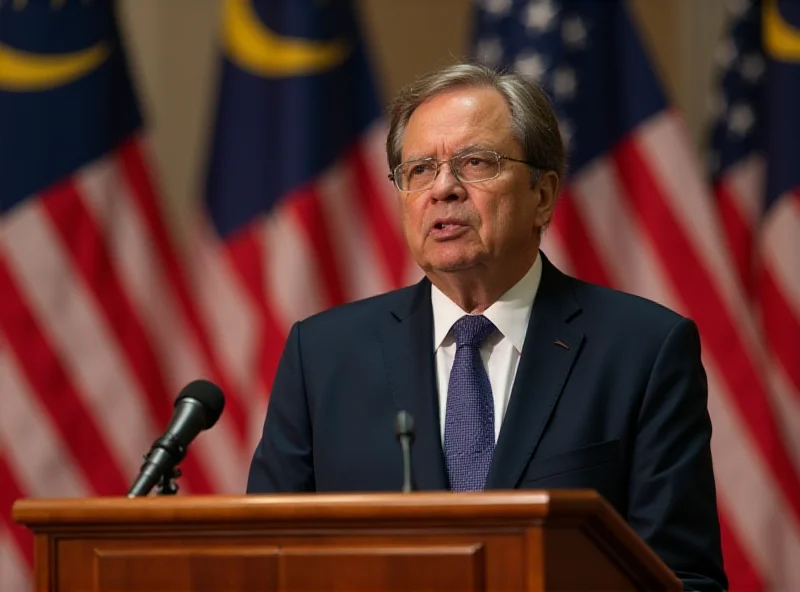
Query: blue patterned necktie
(469,420)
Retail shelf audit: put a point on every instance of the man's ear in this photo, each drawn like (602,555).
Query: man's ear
(547,187)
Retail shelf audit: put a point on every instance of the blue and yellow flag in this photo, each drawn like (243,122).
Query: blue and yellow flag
(65,95)
(297,190)
(295,93)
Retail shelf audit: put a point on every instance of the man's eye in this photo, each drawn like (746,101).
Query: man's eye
(475,161)
(420,169)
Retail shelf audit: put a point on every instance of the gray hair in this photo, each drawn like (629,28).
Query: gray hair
(533,119)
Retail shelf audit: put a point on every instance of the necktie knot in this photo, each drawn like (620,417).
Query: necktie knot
(472,330)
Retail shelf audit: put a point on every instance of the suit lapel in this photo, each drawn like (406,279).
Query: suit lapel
(548,354)
(407,341)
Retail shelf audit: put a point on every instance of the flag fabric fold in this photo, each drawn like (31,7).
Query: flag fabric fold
(300,214)
(754,142)
(98,326)
(637,214)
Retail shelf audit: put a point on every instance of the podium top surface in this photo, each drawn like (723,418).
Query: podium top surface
(516,506)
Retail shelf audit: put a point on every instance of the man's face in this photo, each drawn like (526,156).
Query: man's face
(454,226)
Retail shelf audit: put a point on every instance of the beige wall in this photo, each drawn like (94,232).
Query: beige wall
(173,50)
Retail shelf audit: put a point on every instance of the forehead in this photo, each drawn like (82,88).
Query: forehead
(457,119)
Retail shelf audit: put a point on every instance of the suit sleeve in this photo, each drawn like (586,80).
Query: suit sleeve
(672,496)
(283,460)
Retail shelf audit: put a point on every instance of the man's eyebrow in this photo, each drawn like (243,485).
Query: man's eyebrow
(471,148)
(413,157)
(459,152)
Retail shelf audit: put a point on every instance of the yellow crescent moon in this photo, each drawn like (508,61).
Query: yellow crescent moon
(256,49)
(23,71)
(781,38)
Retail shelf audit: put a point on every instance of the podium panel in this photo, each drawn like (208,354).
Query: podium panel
(492,541)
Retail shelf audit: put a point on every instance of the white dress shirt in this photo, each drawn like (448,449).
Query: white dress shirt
(500,351)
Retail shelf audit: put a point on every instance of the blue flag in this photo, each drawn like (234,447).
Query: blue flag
(295,93)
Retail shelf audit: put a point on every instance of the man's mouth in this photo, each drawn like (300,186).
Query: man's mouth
(447,229)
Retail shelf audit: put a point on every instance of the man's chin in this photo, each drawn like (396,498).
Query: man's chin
(454,264)
(450,259)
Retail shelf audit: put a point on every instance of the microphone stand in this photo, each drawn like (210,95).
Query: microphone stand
(404,430)
(168,484)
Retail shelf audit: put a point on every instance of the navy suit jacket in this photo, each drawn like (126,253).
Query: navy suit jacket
(610,394)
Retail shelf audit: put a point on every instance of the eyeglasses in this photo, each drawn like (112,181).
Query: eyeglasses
(471,167)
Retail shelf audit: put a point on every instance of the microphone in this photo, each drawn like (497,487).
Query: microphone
(197,408)
(404,430)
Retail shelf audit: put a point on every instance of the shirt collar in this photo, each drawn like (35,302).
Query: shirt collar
(510,314)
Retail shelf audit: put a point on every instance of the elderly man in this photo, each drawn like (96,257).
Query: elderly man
(517,375)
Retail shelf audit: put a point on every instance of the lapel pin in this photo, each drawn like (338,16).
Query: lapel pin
(560,343)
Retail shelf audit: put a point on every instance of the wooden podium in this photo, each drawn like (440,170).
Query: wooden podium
(504,541)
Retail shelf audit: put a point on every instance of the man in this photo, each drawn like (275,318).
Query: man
(517,375)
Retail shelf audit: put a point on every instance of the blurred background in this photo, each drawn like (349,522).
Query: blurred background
(174,50)
(182,180)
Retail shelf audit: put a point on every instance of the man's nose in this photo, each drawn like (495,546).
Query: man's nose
(446,186)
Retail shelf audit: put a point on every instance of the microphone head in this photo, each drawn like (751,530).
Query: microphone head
(210,397)
(404,424)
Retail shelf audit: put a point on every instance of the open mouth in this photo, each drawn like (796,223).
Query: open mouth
(444,230)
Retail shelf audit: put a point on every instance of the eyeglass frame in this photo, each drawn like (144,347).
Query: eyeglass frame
(499,155)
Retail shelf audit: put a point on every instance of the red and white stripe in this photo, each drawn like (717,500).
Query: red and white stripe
(331,241)
(767,248)
(99,330)
(740,197)
(15,571)
(640,219)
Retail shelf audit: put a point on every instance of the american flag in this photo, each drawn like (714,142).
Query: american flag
(97,329)
(102,318)
(755,143)
(637,214)
(300,213)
